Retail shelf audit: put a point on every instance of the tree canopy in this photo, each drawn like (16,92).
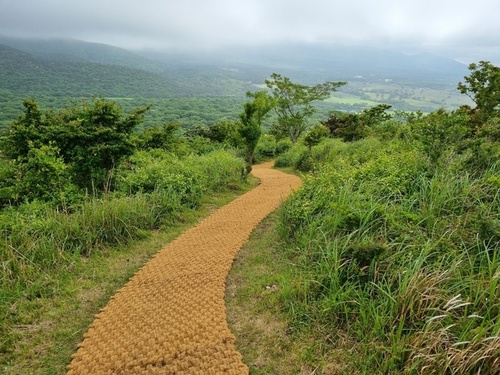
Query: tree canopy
(483,87)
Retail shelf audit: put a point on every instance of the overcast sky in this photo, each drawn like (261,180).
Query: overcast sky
(465,30)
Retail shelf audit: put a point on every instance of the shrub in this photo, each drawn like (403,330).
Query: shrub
(283,145)
(291,156)
(266,148)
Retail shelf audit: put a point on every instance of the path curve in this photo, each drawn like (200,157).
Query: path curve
(170,318)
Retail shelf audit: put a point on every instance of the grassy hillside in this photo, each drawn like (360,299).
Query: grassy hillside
(388,261)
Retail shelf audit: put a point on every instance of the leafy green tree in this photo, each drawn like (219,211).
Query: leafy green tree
(293,103)
(315,135)
(440,131)
(345,126)
(483,87)
(44,176)
(376,114)
(263,104)
(93,138)
(250,130)
(252,117)
(26,132)
(222,131)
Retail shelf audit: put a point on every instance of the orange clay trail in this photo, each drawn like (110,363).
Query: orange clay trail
(170,318)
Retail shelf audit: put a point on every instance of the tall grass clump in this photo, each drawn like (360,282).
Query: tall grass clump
(398,255)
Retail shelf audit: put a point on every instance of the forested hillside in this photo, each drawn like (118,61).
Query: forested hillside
(24,74)
(57,71)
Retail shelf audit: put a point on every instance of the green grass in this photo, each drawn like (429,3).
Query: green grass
(55,263)
(253,306)
(394,262)
(42,330)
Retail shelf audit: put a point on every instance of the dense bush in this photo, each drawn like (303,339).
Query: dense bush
(189,176)
(77,147)
(266,148)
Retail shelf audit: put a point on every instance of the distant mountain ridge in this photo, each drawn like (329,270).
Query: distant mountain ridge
(346,62)
(310,61)
(30,75)
(87,69)
(72,50)
(329,62)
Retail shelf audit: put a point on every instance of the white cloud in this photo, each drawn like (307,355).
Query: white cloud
(454,26)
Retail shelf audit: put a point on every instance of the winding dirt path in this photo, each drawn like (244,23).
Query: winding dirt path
(170,318)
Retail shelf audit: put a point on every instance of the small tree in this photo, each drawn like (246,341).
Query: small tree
(160,137)
(93,138)
(252,117)
(249,130)
(483,87)
(353,126)
(315,135)
(440,131)
(26,132)
(293,103)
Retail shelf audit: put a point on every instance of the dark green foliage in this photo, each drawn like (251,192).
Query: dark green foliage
(483,87)
(26,132)
(440,131)
(315,135)
(305,162)
(483,149)
(283,145)
(94,138)
(352,126)
(266,148)
(163,137)
(44,175)
(223,131)
(84,143)
(250,130)
(345,126)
